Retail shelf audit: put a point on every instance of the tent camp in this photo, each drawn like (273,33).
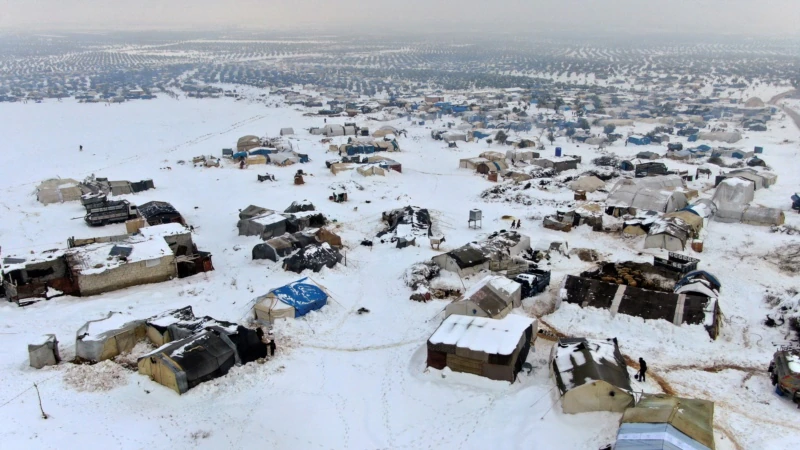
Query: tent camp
(591,375)
(295,299)
(106,338)
(589,184)
(492,348)
(660,421)
(493,297)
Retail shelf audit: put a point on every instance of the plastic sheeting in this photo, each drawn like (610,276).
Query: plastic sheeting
(301,297)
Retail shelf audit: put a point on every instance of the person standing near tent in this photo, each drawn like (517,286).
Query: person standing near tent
(80,147)
(640,376)
(271,345)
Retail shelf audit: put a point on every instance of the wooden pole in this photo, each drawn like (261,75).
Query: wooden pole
(44,416)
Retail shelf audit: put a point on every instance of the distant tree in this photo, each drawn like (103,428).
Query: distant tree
(583,124)
(489,141)
(608,129)
(558,103)
(570,131)
(501,137)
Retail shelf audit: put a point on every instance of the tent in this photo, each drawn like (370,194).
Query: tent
(44,352)
(252,211)
(264,226)
(692,219)
(371,169)
(328,236)
(305,205)
(295,299)
(313,257)
(248,142)
(287,131)
(106,338)
(181,323)
(493,297)
(660,421)
(492,348)
(589,184)
(627,194)
(471,163)
(182,365)
(591,375)
(729,137)
(274,249)
(669,233)
(58,190)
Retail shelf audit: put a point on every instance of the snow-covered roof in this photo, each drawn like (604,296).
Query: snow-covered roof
(13,262)
(163,230)
(97,258)
(580,361)
(480,334)
(269,219)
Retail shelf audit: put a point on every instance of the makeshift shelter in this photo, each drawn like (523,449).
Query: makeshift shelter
(252,211)
(754,102)
(274,249)
(327,236)
(628,196)
(265,226)
(734,192)
(248,142)
(730,137)
(44,353)
(303,206)
(591,375)
(407,223)
(493,297)
(58,190)
(182,365)
(300,221)
(588,183)
(491,166)
(660,421)
(106,338)
(495,252)
(181,323)
(313,257)
(371,169)
(491,348)
(256,159)
(648,304)
(156,213)
(670,233)
(342,167)
(287,131)
(471,163)
(295,299)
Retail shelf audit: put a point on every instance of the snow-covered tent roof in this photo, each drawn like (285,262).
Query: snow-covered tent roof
(295,299)
(734,191)
(629,195)
(589,184)
(730,137)
(665,422)
(493,296)
(481,334)
(106,338)
(578,361)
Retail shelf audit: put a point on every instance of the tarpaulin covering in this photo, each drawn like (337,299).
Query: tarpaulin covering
(303,295)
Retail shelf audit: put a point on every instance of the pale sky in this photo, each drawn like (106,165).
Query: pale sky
(735,17)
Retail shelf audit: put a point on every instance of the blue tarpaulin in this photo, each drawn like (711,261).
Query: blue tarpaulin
(302,295)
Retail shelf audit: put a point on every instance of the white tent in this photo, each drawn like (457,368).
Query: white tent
(629,195)
(734,191)
(589,184)
(493,297)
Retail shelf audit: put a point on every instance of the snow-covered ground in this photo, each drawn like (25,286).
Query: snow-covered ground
(344,380)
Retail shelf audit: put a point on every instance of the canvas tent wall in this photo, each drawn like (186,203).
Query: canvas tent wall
(662,421)
(252,211)
(648,304)
(44,353)
(58,190)
(265,226)
(106,338)
(295,299)
(589,184)
(627,195)
(492,348)
(248,142)
(287,131)
(591,375)
(670,233)
(734,191)
(493,297)
(182,365)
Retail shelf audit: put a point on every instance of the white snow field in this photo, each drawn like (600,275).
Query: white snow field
(340,379)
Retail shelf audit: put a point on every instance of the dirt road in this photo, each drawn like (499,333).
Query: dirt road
(790,112)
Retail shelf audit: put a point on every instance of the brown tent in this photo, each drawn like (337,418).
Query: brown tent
(333,239)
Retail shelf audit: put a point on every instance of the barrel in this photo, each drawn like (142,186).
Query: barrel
(697,245)
(558,151)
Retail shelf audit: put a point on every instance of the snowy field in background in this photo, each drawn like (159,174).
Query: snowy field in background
(343,380)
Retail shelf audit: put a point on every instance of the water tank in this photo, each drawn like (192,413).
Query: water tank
(474,214)
(558,151)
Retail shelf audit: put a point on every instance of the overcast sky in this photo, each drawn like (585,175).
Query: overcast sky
(748,17)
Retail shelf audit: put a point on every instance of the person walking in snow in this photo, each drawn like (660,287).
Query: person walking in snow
(271,345)
(640,376)
(80,147)
(519,223)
